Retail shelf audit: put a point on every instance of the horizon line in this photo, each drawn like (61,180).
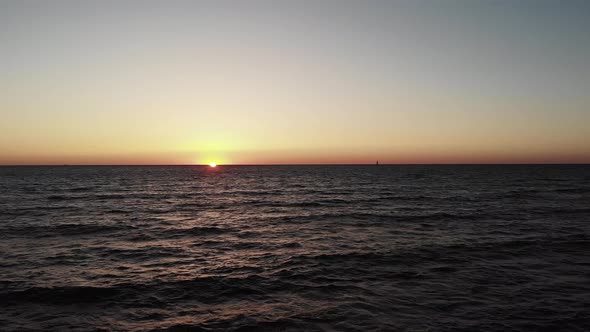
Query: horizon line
(299,164)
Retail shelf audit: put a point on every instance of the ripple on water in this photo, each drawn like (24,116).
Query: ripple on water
(347,248)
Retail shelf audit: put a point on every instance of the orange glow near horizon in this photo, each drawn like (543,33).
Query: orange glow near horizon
(305,156)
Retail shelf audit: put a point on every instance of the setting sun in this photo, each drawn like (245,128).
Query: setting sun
(212,164)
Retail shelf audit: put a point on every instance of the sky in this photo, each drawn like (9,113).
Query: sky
(294,82)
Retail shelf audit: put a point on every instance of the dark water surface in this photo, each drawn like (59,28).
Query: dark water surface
(281,248)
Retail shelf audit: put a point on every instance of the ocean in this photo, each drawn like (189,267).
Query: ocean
(295,248)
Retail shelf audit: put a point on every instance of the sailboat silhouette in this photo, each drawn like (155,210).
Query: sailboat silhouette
(377,163)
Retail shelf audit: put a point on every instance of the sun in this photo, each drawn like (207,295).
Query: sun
(212,164)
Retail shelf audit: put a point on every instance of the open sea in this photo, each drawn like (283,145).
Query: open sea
(295,248)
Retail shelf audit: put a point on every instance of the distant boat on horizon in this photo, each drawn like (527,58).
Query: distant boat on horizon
(377,163)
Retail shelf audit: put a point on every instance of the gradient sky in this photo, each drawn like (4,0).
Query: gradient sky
(180,82)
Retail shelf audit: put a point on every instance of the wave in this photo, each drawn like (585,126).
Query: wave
(66,230)
(205,289)
(371,217)
(89,197)
(38,211)
(192,206)
(396,197)
(572,210)
(61,295)
(81,189)
(192,231)
(61,197)
(572,190)
(111,196)
(283,204)
(451,253)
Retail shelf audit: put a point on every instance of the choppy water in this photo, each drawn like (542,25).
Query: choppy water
(314,248)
